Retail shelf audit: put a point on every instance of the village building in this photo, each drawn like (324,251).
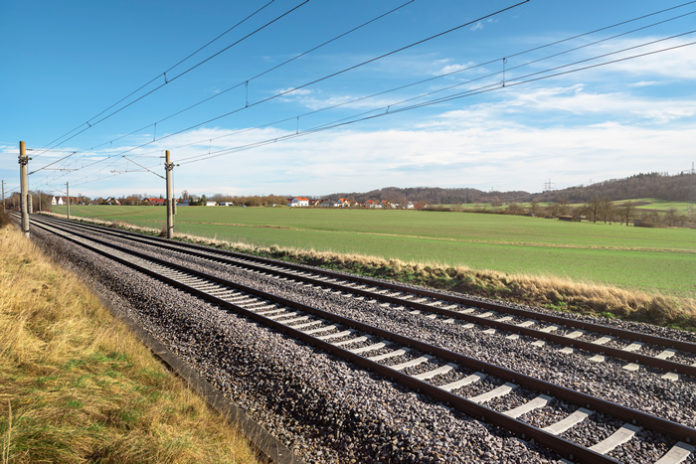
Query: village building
(299,202)
(155,201)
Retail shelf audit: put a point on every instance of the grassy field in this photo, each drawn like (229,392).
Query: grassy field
(661,260)
(650,204)
(681,207)
(77,387)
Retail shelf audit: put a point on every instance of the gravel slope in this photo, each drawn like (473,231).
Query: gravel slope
(323,409)
(643,389)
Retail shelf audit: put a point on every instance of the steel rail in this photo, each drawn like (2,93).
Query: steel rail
(498,307)
(630,356)
(563,447)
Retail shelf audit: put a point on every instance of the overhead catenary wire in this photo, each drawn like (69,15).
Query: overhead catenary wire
(439,90)
(246,81)
(522,52)
(446,74)
(325,77)
(513,82)
(526,79)
(167,81)
(536,48)
(439,76)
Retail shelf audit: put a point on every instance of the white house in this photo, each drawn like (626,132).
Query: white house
(299,202)
(210,203)
(56,201)
(226,203)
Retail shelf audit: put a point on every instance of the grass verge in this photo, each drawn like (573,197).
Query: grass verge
(76,386)
(548,292)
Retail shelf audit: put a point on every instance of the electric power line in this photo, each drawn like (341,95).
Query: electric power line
(448,98)
(325,77)
(262,73)
(167,81)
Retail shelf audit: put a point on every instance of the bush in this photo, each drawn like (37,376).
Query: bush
(4,219)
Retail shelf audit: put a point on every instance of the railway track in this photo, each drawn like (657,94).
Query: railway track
(598,342)
(469,385)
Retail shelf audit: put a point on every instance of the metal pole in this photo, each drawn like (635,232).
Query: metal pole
(168,166)
(23,160)
(30,202)
(40,201)
(3,196)
(67,192)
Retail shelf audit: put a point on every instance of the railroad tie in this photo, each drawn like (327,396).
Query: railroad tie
(568,422)
(463,382)
(335,335)
(536,403)
(368,348)
(619,437)
(678,453)
(391,354)
(492,394)
(435,372)
(411,363)
(320,329)
(351,341)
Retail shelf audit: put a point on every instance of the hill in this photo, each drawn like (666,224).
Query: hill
(680,187)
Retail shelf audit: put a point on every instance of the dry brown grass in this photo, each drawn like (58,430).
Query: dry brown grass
(76,386)
(550,292)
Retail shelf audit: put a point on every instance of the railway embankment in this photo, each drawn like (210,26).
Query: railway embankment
(215,310)
(553,293)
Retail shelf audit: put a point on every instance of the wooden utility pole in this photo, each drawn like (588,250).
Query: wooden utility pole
(168,167)
(3,195)
(23,160)
(40,201)
(67,192)
(30,202)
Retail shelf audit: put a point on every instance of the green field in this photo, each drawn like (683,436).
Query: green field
(681,207)
(650,204)
(661,260)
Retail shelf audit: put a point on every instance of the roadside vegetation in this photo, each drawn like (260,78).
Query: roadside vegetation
(555,293)
(77,387)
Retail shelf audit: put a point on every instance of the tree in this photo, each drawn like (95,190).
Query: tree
(627,211)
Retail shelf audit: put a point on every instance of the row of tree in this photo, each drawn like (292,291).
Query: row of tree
(603,210)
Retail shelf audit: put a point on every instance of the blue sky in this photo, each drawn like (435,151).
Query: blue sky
(64,62)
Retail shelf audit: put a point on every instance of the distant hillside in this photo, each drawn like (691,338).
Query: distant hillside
(680,187)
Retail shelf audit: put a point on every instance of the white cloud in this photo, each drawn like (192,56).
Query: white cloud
(476,27)
(507,156)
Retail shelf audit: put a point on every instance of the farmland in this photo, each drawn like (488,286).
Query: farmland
(662,260)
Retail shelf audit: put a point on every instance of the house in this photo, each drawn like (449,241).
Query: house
(210,203)
(373,204)
(155,201)
(298,202)
(57,201)
(409,205)
(330,204)
(226,203)
(344,202)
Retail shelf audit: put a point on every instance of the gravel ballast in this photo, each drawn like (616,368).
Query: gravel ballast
(643,389)
(320,407)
